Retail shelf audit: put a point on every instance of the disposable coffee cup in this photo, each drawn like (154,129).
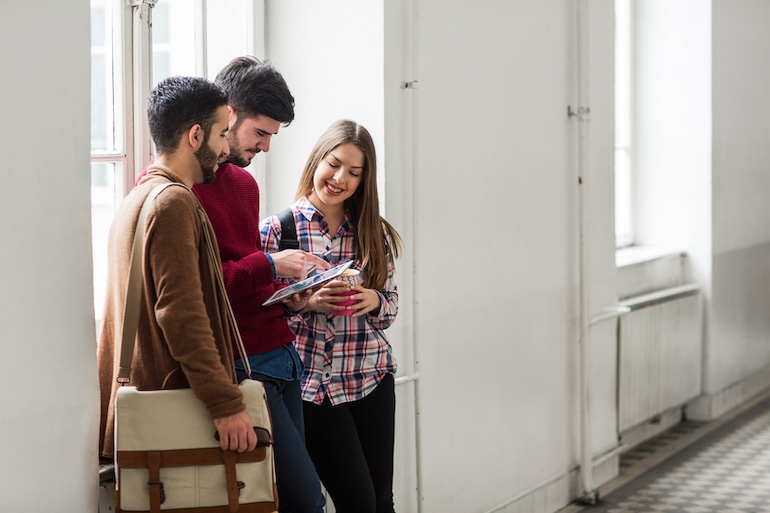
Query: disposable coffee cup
(351,277)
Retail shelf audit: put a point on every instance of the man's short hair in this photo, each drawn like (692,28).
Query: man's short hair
(178,103)
(256,88)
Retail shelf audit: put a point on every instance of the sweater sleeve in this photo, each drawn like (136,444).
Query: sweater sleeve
(232,205)
(174,260)
(243,277)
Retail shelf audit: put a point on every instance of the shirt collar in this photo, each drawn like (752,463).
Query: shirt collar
(306,209)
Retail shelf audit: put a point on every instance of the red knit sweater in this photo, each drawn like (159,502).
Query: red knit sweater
(232,204)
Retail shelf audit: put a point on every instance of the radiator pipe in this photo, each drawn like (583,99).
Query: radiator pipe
(589,493)
(415,376)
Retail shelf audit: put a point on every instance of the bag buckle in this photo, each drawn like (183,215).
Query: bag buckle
(152,482)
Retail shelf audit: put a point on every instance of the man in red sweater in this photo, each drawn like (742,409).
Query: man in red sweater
(259,102)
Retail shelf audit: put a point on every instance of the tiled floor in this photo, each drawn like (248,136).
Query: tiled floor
(726,469)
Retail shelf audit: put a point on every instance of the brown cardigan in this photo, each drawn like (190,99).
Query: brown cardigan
(182,320)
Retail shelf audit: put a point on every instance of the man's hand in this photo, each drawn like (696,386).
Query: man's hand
(295,263)
(236,433)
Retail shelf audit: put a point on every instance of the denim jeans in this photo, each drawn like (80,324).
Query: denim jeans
(299,489)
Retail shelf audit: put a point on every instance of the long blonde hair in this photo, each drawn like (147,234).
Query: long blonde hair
(376,239)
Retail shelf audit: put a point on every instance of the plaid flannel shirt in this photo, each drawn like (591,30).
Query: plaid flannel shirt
(344,357)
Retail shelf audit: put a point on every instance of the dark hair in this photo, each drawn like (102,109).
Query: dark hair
(178,103)
(256,88)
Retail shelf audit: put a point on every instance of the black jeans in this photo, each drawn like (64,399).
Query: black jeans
(351,445)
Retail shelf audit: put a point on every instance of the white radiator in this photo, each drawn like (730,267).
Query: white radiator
(660,353)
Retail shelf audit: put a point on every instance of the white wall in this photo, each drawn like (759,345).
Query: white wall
(49,414)
(486,132)
(741,174)
(496,186)
(481,180)
(330,54)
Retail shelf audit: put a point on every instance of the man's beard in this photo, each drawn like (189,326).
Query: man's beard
(235,149)
(207,159)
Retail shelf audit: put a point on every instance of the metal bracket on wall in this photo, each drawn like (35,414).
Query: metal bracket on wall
(581,113)
(409,85)
(142,6)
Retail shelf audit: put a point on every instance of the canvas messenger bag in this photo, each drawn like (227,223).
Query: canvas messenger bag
(167,453)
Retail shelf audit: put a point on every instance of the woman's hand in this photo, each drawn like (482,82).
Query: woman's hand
(298,301)
(326,299)
(368,301)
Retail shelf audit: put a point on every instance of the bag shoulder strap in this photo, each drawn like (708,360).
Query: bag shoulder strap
(134,286)
(288,230)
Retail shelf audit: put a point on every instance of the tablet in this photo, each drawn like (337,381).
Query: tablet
(307,283)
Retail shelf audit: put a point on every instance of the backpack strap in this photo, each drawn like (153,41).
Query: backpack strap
(288,230)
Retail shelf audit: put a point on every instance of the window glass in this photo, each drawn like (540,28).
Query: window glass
(105,190)
(623,113)
(231,17)
(102,86)
(623,226)
(107,155)
(174,40)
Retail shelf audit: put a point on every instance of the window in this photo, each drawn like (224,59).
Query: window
(623,133)
(185,38)
(174,44)
(108,117)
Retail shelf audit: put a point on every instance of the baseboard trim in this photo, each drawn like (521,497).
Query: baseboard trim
(560,491)
(652,428)
(558,494)
(709,407)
